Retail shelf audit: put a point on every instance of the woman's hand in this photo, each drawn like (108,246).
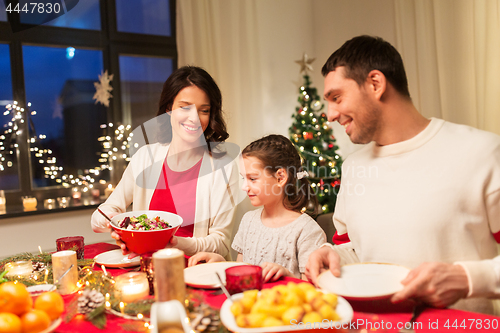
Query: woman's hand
(122,245)
(205,256)
(272,271)
(100,223)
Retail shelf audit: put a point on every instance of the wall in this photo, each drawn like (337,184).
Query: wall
(25,234)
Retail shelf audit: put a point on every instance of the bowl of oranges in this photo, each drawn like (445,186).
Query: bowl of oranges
(22,312)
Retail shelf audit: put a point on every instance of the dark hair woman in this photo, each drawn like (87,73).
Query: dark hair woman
(177,174)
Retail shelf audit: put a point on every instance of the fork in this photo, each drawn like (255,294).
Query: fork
(417,311)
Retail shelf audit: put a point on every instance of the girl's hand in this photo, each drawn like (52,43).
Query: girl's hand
(205,256)
(272,271)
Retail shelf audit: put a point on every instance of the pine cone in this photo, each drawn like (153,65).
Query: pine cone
(38,266)
(89,300)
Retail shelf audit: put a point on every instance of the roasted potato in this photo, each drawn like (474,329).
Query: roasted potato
(284,305)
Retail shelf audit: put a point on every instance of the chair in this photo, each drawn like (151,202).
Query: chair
(325,221)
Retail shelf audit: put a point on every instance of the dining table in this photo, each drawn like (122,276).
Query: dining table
(365,320)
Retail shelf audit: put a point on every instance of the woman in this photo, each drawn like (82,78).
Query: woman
(179,174)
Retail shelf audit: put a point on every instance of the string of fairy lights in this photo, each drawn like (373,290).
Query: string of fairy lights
(113,148)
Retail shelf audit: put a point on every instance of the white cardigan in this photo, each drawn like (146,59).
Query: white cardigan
(216,197)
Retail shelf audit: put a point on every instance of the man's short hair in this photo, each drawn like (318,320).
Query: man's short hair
(363,54)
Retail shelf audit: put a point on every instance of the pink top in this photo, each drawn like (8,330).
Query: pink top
(176,193)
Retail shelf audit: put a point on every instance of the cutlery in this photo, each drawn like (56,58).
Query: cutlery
(417,311)
(223,287)
(102,213)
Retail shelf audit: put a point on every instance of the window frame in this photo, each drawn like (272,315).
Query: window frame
(112,44)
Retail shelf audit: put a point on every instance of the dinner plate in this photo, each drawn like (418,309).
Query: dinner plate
(203,275)
(115,258)
(344,310)
(366,281)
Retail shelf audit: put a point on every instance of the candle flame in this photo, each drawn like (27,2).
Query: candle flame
(122,306)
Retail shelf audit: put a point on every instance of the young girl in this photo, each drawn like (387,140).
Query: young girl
(279,236)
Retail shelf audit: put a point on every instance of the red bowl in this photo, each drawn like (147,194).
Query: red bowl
(144,241)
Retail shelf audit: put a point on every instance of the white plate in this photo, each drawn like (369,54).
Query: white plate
(365,281)
(203,275)
(115,258)
(344,310)
(53,326)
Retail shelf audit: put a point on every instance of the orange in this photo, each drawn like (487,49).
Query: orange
(34,321)
(51,303)
(9,323)
(14,298)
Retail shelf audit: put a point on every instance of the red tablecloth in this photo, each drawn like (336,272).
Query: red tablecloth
(431,320)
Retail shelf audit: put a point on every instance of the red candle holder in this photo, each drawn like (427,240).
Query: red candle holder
(74,243)
(244,277)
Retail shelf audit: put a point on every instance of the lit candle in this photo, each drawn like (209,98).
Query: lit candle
(2,201)
(29,203)
(61,262)
(63,202)
(95,193)
(131,286)
(49,203)
(77,195)
(108,190)
(19,268)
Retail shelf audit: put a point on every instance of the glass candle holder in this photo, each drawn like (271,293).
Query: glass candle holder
(108,190)
(49,203)
(76,194)
(147,267)
(244,277)
(95,193)
(63,202)
(131,286)
(2,200)
(29,203)
(74,243)
(22,268)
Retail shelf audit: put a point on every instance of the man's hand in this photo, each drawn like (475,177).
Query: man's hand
(321,259)
(437,284)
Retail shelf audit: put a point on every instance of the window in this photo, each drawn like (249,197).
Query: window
(8,158)
(143,16)
(142,80)
(84,14)
(61,93)
(60,137)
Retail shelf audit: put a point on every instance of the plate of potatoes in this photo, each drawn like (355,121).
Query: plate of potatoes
(282,308)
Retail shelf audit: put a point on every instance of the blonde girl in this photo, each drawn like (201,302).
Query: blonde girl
(279,236)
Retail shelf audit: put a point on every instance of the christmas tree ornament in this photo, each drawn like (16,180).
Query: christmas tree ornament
(103,89)
(316,106)
(305,64)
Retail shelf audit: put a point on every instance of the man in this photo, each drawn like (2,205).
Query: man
(423,193)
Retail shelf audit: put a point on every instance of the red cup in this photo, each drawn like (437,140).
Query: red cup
(74,243)
(244,277)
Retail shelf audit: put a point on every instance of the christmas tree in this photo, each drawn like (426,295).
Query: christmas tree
(314,140)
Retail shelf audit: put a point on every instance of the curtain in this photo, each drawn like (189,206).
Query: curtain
(451,50)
